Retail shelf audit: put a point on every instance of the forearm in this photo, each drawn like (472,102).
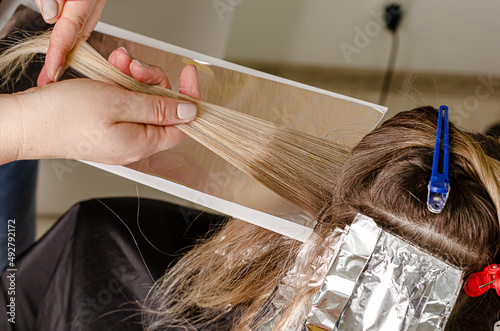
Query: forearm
(10,130)
(22,125)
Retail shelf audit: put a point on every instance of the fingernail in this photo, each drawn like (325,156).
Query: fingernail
(186,111)
(126,52)
(49,9)
(141,63)
(58,75)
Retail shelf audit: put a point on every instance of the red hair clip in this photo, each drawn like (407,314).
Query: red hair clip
(480,282)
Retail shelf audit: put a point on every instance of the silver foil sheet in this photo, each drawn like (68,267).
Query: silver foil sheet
(380,282)
(295,280)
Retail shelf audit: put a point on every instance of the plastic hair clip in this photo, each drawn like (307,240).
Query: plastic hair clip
(439,185)
(480,282)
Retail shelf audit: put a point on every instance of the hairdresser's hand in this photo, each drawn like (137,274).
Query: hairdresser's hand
(73,19)
(94,121)
(154,75)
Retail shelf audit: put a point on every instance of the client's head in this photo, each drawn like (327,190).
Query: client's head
(386,178)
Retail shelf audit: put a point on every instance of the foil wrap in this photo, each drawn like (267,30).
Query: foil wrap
(295,280)
(380,282)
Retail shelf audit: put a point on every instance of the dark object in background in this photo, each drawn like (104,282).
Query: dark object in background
(24,23)
(18,179)
(494,131)
(392,16)
(96,265)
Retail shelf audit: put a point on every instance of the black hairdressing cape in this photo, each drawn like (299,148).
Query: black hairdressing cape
(89,271)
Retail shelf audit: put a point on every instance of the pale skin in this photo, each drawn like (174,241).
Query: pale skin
(88,120)
(94,121)
(73,20)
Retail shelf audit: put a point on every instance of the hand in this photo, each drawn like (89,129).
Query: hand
(73,20)
(94,121)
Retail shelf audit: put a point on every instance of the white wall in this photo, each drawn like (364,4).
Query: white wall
(198,25)
(62,183)
(445,36)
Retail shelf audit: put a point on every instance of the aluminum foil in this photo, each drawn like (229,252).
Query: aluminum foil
(380,282)
(294,280)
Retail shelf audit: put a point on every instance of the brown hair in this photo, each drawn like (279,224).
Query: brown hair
(386,178)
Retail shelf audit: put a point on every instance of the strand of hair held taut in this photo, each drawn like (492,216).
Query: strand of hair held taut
(273,155)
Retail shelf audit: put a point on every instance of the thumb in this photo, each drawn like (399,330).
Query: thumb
(156,110)
(51,9)
(68,29)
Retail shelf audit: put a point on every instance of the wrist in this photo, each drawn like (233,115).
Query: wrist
(10,130)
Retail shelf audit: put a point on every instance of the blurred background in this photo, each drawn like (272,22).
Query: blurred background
(448,50)
(438,52)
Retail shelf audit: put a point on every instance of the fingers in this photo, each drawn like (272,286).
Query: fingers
(159,110)
(51,9)
(161,137)
(188,82)
(149,74)
(143,72)
(72,19)
(170,136)
(43,78)
(121,59)
(93,19)
(156,110)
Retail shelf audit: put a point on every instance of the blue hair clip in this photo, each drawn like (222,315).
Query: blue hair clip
(439,185)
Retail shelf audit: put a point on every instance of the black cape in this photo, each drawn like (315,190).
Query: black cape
(96,265)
